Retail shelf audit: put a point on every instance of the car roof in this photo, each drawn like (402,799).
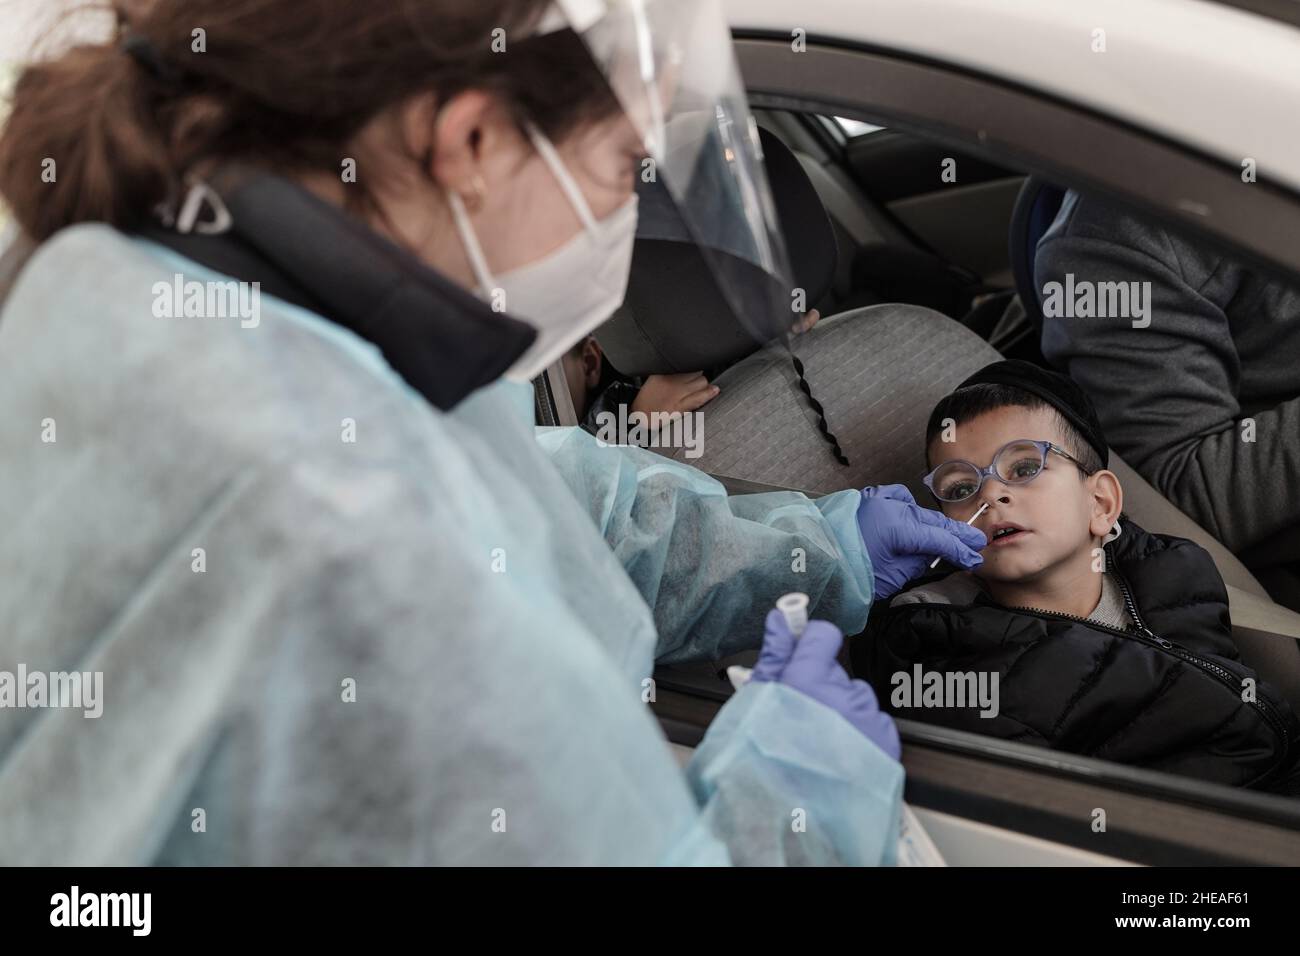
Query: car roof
(1210,75)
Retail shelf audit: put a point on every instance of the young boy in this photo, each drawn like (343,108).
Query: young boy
(1082,631)
(594,389)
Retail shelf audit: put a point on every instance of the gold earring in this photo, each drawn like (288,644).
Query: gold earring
(475,202)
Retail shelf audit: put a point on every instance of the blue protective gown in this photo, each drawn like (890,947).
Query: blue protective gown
(338,626)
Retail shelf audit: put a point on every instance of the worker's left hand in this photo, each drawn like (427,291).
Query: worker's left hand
(901,538)
(809,664)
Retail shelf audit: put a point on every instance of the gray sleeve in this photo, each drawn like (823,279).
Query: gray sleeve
(1167,394)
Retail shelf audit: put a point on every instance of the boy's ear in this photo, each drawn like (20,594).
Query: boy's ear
(1107,502)
(591,362)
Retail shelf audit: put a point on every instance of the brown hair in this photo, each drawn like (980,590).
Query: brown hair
(284,83)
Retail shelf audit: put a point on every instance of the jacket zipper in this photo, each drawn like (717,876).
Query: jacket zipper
(1146,635)
(1264,708)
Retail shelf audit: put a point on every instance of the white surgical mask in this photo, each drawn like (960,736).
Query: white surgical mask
(569,292)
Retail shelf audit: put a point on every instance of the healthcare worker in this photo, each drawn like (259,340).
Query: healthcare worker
(271,481)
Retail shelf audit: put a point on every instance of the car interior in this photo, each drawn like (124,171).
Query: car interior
(919,283)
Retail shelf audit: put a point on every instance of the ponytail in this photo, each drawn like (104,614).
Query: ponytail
(81,142)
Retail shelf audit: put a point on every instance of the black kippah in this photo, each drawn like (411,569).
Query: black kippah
(1055,389)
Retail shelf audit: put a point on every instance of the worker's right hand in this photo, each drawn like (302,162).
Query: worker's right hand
(808,664)
(901,538)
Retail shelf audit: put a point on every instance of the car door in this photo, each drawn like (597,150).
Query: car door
(1073,803)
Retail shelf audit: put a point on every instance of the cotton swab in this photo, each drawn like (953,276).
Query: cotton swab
(984,507)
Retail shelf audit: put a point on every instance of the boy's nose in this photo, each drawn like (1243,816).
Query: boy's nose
(999,495)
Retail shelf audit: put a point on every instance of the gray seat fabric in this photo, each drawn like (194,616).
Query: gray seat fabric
(877,371)
(1155,512)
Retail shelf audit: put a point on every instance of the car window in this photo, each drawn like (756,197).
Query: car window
(852,127)
(1180,343)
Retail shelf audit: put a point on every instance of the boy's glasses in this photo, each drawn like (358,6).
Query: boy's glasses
(1016,463)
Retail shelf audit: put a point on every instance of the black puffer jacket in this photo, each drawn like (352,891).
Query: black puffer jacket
(1166,695)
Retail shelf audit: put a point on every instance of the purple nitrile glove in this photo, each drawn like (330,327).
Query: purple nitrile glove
(902,538)
(808,664)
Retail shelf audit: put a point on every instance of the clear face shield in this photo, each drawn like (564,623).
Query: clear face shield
(670,65)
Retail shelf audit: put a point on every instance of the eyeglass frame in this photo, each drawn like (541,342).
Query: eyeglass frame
(1043,448)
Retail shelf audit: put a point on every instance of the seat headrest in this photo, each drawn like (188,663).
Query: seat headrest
(675,317)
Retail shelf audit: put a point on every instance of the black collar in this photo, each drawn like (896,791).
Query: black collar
(441,339)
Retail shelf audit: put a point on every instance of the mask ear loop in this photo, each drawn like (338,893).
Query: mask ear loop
(473,251)
(468,238)
(571,191)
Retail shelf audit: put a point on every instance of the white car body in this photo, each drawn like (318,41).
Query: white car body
(1219,79)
